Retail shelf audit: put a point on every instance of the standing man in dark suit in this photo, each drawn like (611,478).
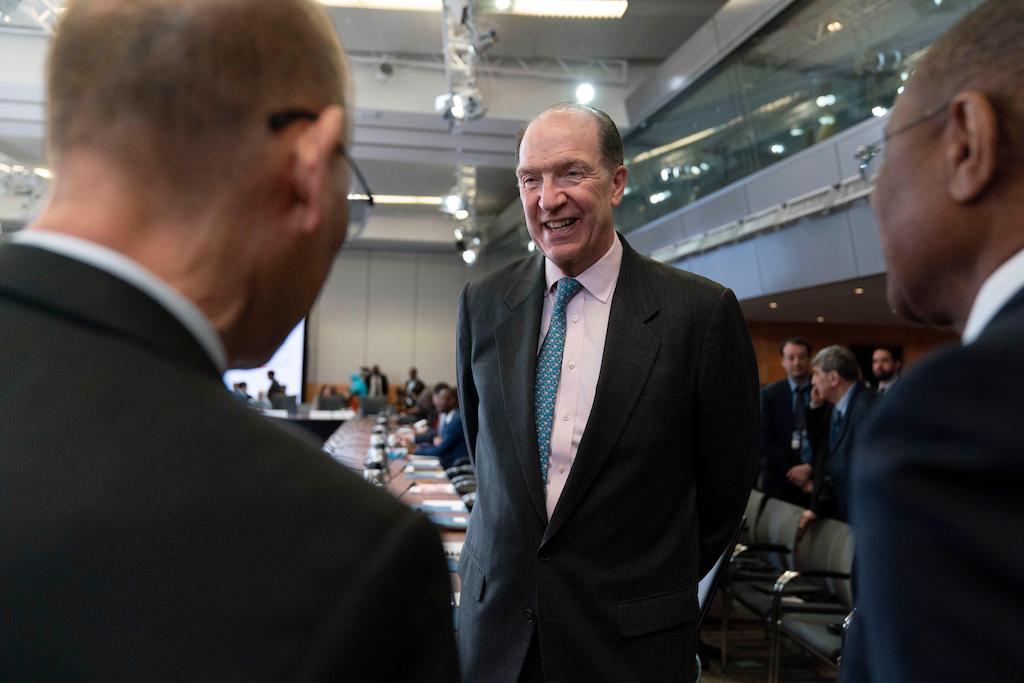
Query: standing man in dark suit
(937,482)
(785,451)
(198,205)
(885,366)
(840,407)
(610,405)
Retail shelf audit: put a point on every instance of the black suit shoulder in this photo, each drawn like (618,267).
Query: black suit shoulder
(937,493)
(196,539)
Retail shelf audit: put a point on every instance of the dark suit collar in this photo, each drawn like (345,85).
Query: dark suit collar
(516,338)
(630,349)
(846,417)
(79,292)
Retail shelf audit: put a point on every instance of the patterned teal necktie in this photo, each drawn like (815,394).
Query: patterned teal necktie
(549,369)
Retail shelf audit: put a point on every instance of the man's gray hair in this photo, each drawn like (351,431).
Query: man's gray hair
(840,359)
(610,141)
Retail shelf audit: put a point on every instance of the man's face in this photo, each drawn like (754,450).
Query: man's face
(910,200)
(825,383)
(883,365)
(442,400)
(796,361)
(568,195)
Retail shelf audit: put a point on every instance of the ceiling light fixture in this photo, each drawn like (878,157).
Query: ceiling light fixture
(585,93)
(834,26)
(572,9)
(858,291)
(821,318)
(773,305)
(575,9)
(399,199)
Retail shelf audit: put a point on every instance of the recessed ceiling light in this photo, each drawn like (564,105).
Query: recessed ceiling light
(773,305)
(858,290)
(834,26)
(821,318)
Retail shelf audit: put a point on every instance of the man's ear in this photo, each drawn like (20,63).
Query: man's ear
(310,170)
(971,143)
(619,184)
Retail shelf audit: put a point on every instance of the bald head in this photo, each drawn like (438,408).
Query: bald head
(609,139)
(174,91)
(983,52)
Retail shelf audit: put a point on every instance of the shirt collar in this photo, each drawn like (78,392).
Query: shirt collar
(599,279)
(844,402)
(793,386)
(999,288)
(123,268)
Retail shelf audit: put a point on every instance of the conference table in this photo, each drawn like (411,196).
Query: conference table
(421,489)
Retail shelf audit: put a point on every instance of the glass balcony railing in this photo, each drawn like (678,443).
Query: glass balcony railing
(818,68)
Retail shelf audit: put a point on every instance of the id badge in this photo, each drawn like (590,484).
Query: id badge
(795,441)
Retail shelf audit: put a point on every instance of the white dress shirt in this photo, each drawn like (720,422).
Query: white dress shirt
(1001,286)
(123,268)
(585,332)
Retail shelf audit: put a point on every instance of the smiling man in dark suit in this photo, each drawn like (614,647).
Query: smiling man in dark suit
(199,202)
(937,483)
(611,409)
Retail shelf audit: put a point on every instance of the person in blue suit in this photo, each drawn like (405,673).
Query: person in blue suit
(452,446)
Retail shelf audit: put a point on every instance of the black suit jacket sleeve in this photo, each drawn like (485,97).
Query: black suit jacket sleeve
(937,502)
(728,427)
(469,401)
(405,589)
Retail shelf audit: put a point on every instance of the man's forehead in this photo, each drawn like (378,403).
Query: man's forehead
(559,133)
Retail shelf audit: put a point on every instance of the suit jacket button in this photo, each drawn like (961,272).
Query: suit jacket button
(529,615)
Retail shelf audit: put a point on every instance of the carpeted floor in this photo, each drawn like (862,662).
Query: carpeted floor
(748,654)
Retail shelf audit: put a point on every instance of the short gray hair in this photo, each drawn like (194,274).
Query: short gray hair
(612,154)
(840,359)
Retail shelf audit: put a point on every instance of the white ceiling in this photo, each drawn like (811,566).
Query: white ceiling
(404,147)
(650,30)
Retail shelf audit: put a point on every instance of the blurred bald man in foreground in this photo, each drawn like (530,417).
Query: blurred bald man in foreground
(937,479)
(199,202)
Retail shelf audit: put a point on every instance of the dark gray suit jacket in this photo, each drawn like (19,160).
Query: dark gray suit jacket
(937,484)
(658,485)
(154,528)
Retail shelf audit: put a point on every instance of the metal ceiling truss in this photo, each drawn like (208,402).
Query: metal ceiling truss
(43,12)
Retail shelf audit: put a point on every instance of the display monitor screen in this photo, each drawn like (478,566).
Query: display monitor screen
(288,364)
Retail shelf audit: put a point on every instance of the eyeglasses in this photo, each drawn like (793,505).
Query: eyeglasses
(872,157)
(360,203)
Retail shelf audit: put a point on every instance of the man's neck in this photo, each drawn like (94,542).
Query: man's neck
(92,201)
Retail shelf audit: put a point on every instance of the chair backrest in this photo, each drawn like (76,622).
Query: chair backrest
(372,405)
(777,524)
(282,402)
(755,503)
(828,546)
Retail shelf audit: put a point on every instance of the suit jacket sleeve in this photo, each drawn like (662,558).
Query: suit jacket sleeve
(769,445)
(728,426)
(418,610)
(936,486)
(469,401)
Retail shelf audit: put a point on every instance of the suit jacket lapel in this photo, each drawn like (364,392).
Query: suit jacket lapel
(75,290)
(629,352)
(844,422)
(516,339)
